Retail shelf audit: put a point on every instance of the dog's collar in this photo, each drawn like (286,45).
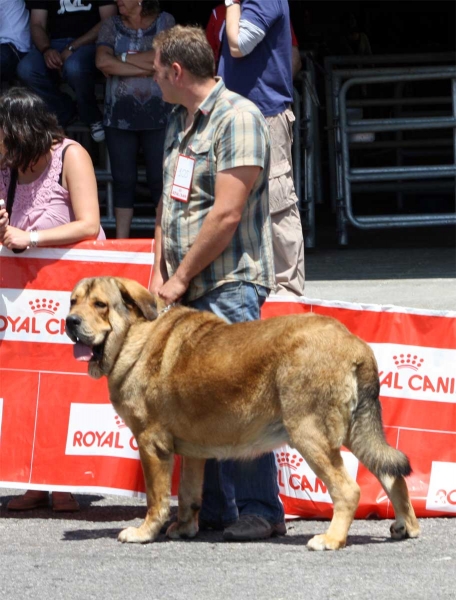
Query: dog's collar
(166,309)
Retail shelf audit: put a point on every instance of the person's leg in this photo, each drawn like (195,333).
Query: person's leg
(287,242)
(32,71)
(254,482)
(123,148)
(153,141)
(287,238)
(80,72)
(9,59)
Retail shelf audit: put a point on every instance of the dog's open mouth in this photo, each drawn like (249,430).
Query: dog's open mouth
(85,353)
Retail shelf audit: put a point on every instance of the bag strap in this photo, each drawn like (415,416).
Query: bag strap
(11,191)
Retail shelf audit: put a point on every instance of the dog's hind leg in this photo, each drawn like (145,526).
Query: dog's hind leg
(157,464)
(190,498)
(406,524)
(327,464)
(366,439)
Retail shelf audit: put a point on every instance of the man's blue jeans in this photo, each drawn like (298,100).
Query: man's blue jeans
(233,488)
(79,71)
(9,59)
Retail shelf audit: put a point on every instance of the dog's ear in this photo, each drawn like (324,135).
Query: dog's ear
(159,302)
(133,293)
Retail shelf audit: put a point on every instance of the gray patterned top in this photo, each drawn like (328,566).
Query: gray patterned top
(133,102)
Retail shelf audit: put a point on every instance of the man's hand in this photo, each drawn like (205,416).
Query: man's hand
(16,238)
(172,290)
(53,59)
(65,54)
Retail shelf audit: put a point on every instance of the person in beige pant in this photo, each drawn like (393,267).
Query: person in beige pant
(287,237)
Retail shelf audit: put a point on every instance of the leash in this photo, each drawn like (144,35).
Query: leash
(166,309)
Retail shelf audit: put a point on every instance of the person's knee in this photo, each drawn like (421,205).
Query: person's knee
(124,192)
(77,73)
(26,69)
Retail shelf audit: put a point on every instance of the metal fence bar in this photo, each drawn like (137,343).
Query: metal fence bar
(351,176)
(334,75)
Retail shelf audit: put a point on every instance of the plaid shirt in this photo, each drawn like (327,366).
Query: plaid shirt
(228,131)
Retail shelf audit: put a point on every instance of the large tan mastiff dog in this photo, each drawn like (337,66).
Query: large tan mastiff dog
(186,382)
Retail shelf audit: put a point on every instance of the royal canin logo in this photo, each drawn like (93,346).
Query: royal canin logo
(96,430)
(297,480)
(286,459)
(408,361)
(119,422)
(34,316)
(44,305)
(416,373)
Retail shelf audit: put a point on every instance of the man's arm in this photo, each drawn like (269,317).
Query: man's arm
(296,63)
(90,37)
(160,272)
(232,189)
(38,23)
(242,35)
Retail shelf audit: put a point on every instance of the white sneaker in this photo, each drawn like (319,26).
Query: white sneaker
(97,131)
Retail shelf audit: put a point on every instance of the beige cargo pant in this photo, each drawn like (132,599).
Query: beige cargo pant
(287,238)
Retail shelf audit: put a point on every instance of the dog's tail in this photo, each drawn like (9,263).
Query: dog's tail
(366,438)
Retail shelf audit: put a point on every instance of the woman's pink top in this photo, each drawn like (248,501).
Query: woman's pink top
(43,203)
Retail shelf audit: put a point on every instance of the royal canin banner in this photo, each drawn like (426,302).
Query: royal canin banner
(58,429)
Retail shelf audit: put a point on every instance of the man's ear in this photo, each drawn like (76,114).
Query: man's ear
(176,70)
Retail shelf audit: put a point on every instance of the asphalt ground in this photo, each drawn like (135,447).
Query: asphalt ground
(45,555)
(70,557)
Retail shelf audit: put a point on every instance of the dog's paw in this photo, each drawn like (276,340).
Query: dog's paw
(324,542)
(178,530)
(400,530)
(134,535)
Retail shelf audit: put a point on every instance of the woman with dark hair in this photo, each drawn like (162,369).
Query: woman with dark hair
(48,180)
(51,193)
(134,114)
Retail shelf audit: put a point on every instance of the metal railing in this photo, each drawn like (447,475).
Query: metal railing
(341,129)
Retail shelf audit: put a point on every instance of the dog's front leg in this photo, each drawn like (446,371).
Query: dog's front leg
(190,497)
(157,464)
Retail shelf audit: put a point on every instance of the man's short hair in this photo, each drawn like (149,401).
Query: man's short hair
(187,46)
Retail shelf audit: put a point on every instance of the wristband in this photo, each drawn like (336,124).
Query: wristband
(123,57)
(231,2)
(71,48)
(33,239)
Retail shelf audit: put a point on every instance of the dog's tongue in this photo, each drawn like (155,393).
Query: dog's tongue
(82,352)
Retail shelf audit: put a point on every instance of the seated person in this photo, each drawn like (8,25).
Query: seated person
(64,48)
(14,36)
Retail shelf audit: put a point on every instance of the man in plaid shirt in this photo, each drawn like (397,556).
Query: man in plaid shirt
(213,243)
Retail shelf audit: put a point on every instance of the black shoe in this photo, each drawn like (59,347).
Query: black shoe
(203,524)
(251,527)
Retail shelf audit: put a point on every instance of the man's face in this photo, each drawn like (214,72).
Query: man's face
(164,77)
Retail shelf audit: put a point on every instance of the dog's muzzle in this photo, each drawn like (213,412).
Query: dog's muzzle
(82,351)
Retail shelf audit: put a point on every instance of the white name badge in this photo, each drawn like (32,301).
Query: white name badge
(183,178)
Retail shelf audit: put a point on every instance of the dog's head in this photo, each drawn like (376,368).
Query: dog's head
(101,313)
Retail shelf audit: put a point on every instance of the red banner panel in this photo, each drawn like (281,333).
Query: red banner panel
(59,430)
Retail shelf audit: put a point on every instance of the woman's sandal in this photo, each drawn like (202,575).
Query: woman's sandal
(30,500)
(64,502)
